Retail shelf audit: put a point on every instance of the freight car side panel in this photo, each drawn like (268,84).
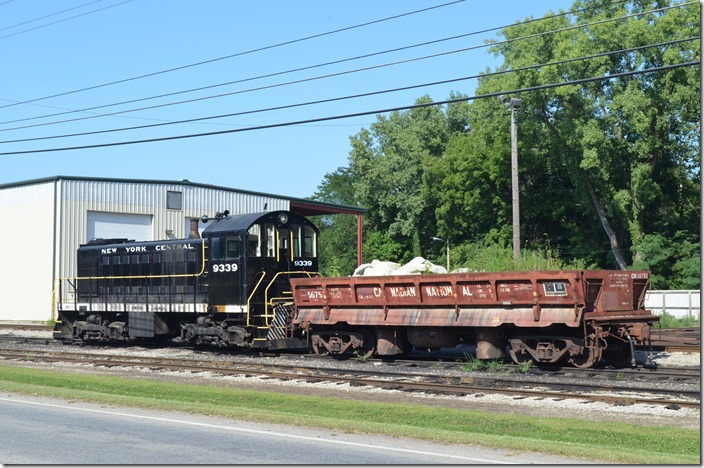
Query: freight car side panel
(537,299)
(439,317)
(525,299)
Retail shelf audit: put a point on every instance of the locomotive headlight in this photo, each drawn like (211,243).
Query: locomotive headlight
(283,218)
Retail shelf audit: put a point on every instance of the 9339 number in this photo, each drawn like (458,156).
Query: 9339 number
(303,263)
(224,267)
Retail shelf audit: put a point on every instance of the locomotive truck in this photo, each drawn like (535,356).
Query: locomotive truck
(250,281)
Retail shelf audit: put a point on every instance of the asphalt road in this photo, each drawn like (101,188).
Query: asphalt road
(51,431)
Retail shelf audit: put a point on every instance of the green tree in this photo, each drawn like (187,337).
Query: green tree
(388,162)
(338,233)
(622,152)
(609,169)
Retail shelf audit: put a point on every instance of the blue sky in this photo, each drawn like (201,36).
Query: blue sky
(64,46)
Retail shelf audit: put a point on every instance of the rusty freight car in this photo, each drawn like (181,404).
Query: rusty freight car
(574,316)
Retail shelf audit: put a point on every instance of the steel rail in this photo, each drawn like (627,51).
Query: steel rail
(386,380)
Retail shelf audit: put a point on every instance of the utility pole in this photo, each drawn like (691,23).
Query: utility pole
(514,104)
(447,249)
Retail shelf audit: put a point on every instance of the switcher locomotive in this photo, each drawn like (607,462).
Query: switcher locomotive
(228,287)
(249,281)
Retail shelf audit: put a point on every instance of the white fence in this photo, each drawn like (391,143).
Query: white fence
(680,303)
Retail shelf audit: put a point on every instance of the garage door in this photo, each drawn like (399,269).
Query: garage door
(119,225)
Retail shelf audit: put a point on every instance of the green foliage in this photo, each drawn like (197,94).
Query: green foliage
(378,246)
(608,170)
(670,321)
(525,367)
(338,234)
(677,257)
(594,440)
(497,257)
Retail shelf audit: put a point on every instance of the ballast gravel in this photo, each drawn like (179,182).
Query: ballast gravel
(644,414)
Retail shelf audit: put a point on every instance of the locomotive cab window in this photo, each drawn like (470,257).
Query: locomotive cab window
(233,247)
(270,240)
(309,242)
(226,247)
(215,248)
(555,288)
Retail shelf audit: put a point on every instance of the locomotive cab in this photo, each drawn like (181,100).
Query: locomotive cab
(250,260)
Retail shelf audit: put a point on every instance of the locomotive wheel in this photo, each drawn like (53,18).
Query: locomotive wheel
(586,359)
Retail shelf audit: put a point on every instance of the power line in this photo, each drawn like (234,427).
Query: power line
(239,54)
(531,36)
(281,73)
(61,21)
(48,16)
(359,114)
(355,96)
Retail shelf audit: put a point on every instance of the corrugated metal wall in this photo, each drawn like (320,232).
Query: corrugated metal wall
(78,197)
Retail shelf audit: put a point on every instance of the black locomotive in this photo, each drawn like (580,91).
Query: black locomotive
(228,287)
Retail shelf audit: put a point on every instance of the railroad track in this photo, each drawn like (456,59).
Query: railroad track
(518,386)
(676,339)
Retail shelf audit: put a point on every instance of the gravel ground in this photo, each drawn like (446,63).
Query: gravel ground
(534,406)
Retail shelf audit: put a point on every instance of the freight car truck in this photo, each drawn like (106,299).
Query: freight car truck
(573,316)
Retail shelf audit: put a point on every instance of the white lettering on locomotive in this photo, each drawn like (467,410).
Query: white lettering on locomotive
(172,247)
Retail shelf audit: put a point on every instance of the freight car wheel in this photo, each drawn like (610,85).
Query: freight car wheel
(369,347)
(520,358)
(587,359)
(617,354)
(319,350)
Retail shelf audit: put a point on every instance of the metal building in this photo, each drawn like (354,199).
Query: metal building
(45,220)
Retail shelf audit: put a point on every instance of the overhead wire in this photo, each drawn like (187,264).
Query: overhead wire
(571,12)
(359,114)
(63,20)
(368,94)
(373,67)
(238,54)
(48,16)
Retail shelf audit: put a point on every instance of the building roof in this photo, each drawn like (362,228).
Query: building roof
(300,205)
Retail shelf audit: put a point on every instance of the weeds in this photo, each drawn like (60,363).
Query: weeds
(670,321)
(472,364)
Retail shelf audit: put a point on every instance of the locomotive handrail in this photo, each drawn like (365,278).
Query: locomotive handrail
(267,316)
(69,279)
(251,295)
(178,275)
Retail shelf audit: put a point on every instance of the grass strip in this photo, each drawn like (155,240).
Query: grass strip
(610,442)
